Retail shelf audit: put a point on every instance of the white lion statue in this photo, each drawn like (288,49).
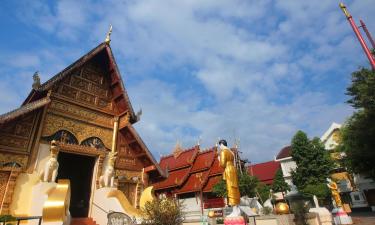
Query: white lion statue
(49,173)
(107,179)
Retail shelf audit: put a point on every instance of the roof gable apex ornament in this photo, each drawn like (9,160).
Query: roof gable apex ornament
(36,81)
(108,37)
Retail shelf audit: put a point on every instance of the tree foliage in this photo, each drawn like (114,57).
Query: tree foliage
(358,133)
(313,163)
(263,192)
(162,212)
(279,184)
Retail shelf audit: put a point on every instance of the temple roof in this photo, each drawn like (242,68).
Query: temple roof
(194,183)
(175,178)
(204,160)
(115,77)
(211,182)
(265,172)
(144,147)
(284,153)
(181,159)
(195,175)
(26,108)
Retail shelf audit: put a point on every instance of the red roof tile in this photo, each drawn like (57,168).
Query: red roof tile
(265,172)
(184,159)
(284,152)
(175,178)
(194,183)
(211,182)
(203,161)
(216,168)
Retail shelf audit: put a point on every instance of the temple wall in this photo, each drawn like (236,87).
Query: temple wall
(21,203)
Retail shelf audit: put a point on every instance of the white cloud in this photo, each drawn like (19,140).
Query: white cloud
(259,70)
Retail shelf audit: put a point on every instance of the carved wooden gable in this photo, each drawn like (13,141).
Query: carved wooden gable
(89,85)
(16,136)
(130,156)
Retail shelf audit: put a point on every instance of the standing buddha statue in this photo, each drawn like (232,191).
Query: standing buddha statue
(226,159)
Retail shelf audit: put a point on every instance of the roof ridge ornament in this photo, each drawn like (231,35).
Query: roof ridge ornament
(177,149)
(36,83)
(108,37)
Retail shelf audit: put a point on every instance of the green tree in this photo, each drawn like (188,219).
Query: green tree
(279,184)
(263,192)
(358,133)
(313,163)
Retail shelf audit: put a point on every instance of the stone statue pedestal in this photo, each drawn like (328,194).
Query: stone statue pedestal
(325,216)
(238,220)
(341,217)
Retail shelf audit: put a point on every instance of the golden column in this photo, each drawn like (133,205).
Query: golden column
(114,138)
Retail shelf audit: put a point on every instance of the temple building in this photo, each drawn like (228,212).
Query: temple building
(71,136)
(265,172)
(192,173)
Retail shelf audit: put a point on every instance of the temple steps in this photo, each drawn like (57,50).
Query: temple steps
(83,221)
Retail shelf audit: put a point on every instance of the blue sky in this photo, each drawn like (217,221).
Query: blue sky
(257,71)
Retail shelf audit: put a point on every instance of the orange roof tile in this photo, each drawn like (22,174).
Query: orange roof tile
(184,159)
(211,182)
(194,183)
(216,168)
(175,178)
(203,161)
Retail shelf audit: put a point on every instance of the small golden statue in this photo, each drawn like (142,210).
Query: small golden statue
(226,159)
(335,192)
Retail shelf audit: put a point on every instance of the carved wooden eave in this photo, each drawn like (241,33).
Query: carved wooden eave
(26,108)
(146,150)
(114,73)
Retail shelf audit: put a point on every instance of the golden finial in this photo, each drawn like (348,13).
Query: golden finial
(177,149)
(108,37)
(345,10)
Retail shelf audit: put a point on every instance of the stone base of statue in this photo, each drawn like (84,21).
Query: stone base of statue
(237,220)
(341,217)
(325,216)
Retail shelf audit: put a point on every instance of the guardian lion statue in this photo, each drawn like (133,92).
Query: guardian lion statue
(107,179)
(49,173)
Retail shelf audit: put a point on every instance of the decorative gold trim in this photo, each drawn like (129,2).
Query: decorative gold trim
(80,130)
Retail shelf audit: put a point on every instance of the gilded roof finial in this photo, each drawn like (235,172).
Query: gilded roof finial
(177,149)
(108,37)
(36,78)
(345,10)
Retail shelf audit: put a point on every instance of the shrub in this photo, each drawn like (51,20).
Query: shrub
(164,211)
(266,210)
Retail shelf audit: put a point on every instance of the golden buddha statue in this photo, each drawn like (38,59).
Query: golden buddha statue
(226,159)
(335,192)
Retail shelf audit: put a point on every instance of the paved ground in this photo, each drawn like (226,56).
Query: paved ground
(363,218)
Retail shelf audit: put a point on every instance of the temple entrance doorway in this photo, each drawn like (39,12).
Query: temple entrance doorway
(79,170)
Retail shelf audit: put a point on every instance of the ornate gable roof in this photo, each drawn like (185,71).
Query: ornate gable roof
(119,95)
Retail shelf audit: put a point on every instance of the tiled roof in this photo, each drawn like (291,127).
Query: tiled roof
(216,168)
(194,183)
(211,182)
(184,159)
(203,161)
(24,109)
(265,172)
(284,152)
(175,178)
